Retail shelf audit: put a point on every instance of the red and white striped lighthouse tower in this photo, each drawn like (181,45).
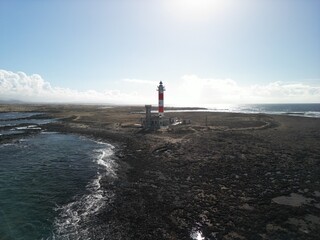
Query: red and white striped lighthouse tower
(161,89)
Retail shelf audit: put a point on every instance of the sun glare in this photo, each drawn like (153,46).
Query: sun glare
(194,10)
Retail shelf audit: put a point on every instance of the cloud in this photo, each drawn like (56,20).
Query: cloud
(190,90)
(34,88)
(286,92)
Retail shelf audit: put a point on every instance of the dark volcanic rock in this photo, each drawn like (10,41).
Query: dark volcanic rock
(218,181)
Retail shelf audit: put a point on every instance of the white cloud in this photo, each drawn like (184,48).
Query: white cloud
(190,90)
(20,86)
(286,92)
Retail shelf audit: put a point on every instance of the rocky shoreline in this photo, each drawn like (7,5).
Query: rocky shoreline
(237,177)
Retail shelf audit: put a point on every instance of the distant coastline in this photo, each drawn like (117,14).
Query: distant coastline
(300,110)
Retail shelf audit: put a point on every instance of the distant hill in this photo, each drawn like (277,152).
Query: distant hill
(12,101)
(15,101)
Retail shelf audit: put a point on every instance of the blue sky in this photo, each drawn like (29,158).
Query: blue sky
(124,47)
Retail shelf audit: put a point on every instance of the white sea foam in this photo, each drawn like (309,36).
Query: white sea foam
(312,114)
(105,161)
(45,132)
(6,145)
(74,218)
(196,234)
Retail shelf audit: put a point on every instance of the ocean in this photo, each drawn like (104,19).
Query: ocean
(50,183)
(302,110)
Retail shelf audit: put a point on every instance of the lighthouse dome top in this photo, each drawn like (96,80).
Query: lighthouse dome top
(161,88)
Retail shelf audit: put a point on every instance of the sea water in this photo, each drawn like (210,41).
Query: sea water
(50,186)
(13,123)
(302,110)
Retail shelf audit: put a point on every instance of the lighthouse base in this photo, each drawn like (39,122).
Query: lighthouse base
(154,122)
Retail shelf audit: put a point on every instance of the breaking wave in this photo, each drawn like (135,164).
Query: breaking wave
(76,219)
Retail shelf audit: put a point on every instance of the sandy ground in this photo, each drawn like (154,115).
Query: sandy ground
(224,176)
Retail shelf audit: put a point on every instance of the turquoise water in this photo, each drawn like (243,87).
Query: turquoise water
(49,186)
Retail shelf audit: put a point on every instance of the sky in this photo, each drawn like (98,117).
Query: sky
(117,51)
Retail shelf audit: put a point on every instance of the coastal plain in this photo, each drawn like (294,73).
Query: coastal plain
(223,176)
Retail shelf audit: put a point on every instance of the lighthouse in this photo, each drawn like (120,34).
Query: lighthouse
(161,89)
(157,121)
(153,121)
